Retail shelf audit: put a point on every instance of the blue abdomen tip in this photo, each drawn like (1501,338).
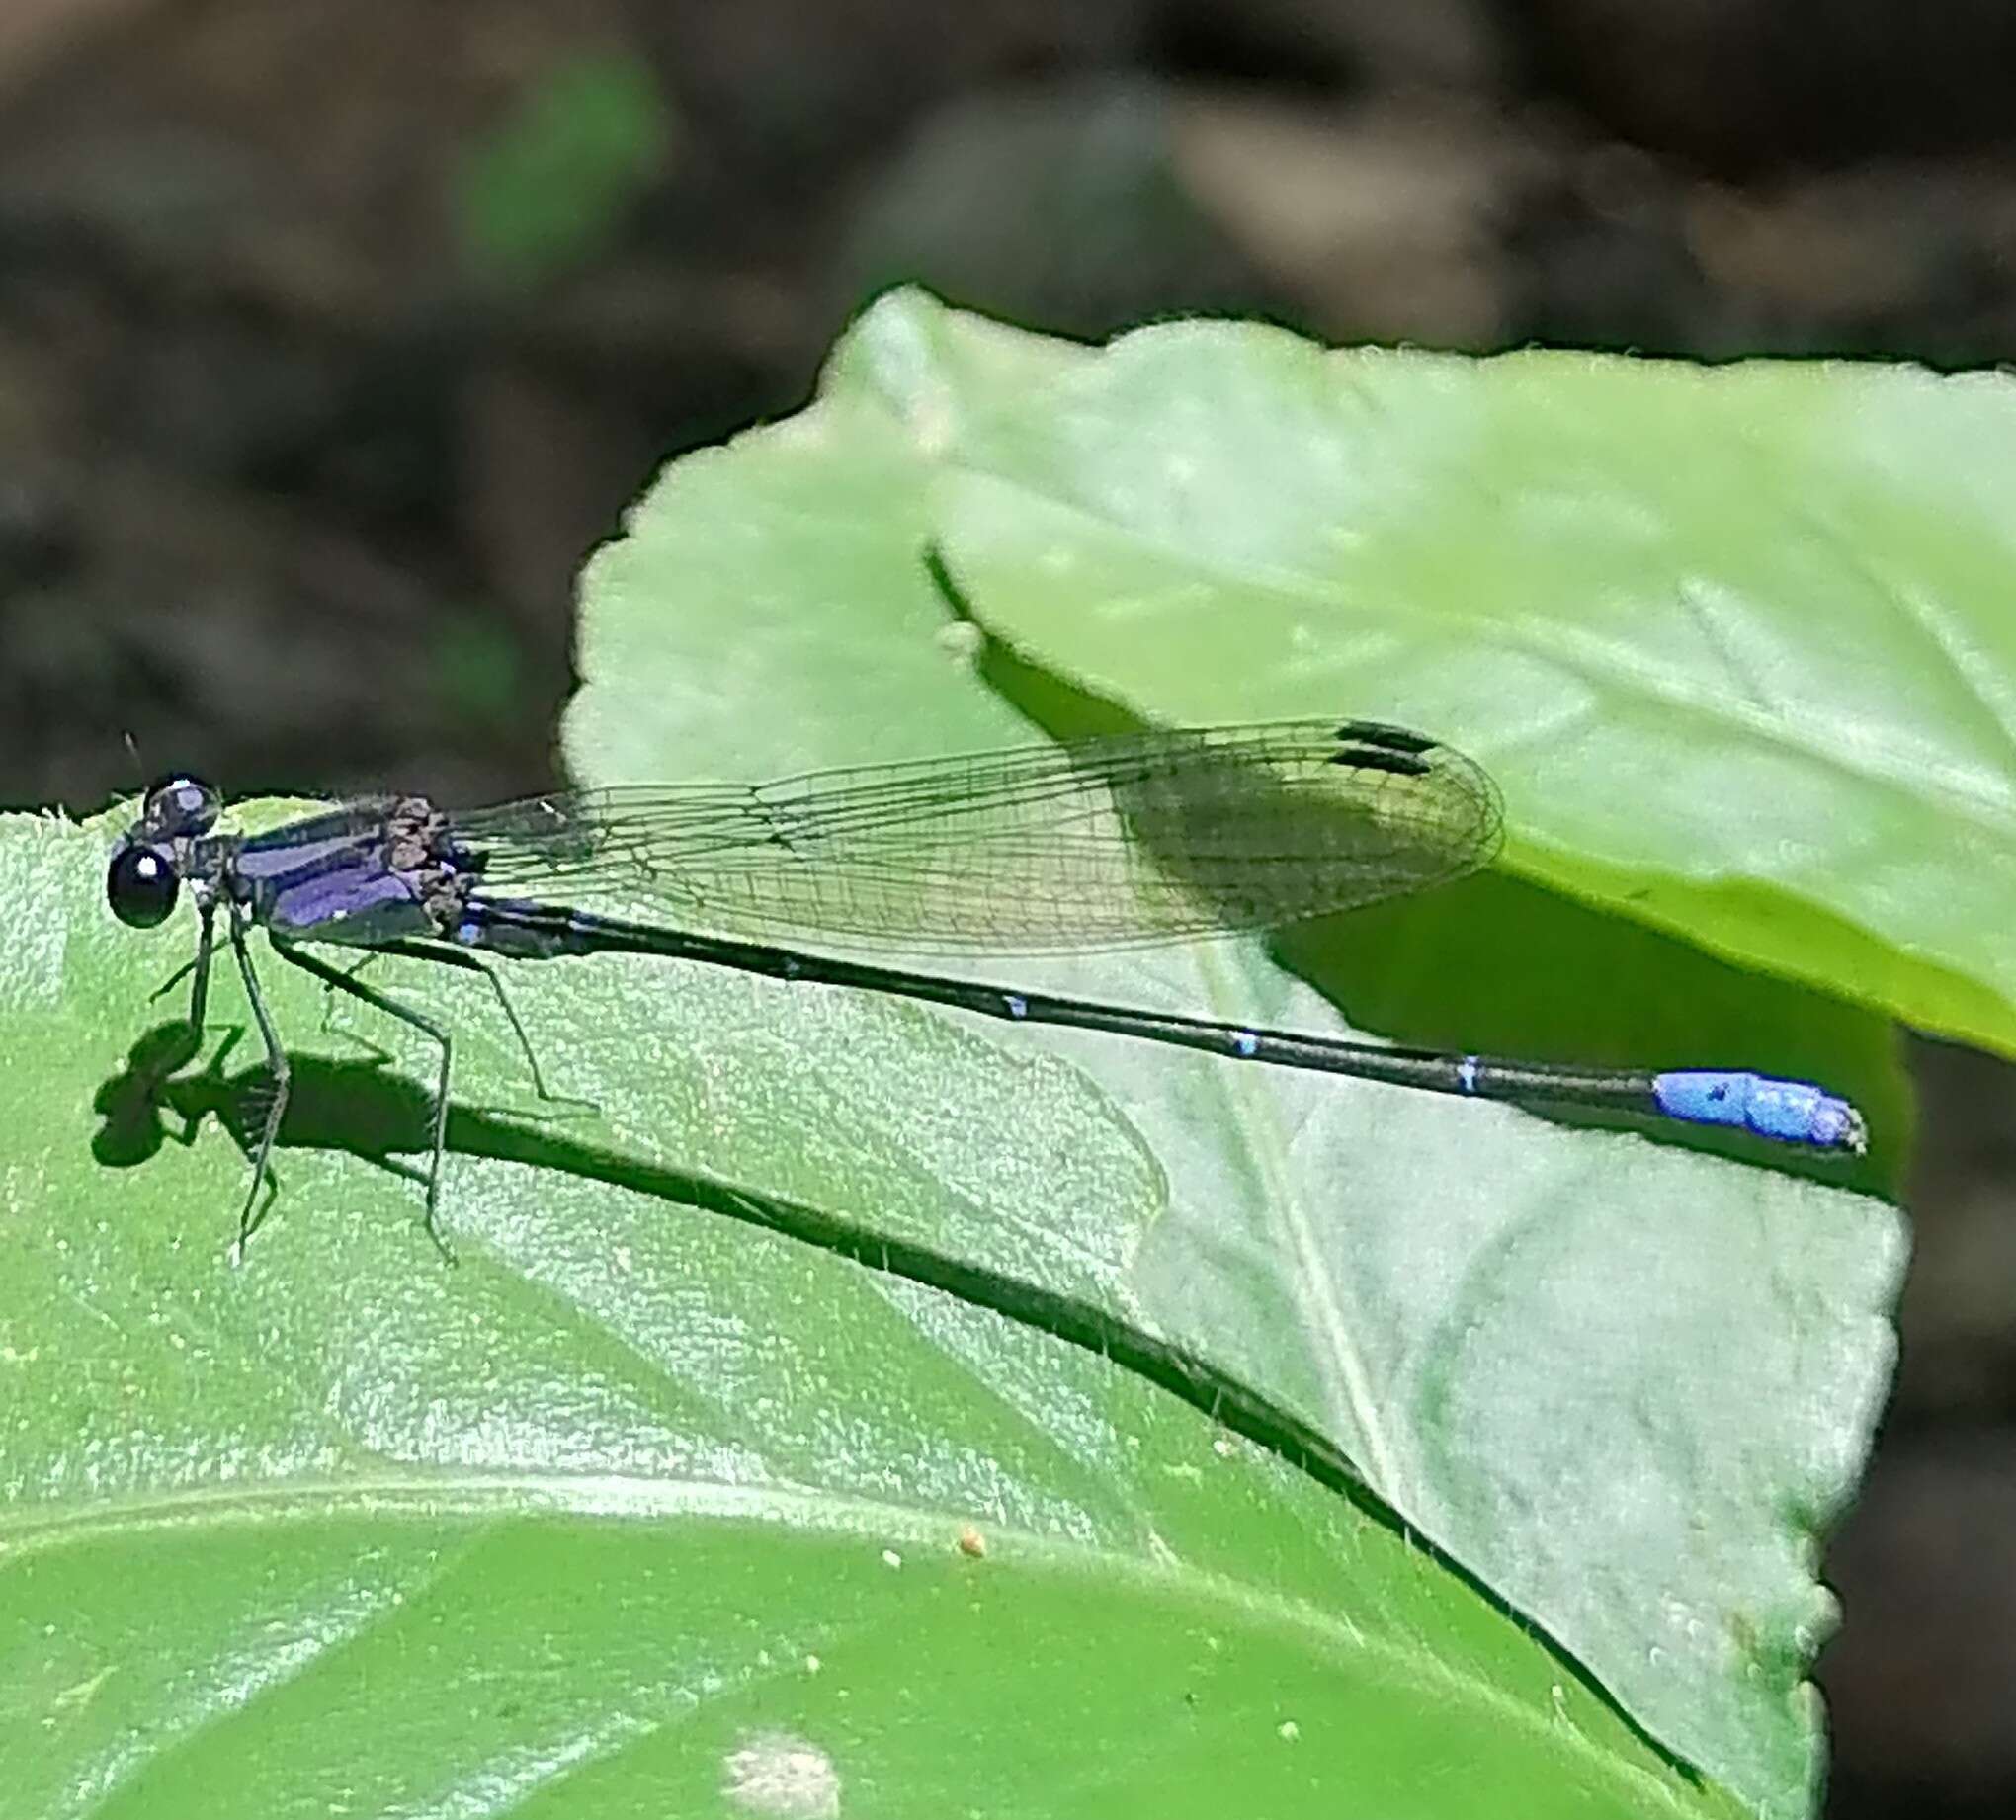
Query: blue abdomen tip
(1792,1111)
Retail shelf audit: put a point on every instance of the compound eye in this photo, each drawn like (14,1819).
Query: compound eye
(179,804)
(141,886)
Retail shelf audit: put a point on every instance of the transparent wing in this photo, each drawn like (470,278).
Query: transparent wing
(1104,844)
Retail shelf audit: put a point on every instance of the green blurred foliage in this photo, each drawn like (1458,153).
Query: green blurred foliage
(550,185)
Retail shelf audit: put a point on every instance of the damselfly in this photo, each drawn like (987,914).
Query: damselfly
(1107,843)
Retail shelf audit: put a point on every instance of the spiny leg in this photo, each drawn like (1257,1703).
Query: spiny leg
(456,957)
(174,979)
(341,982)
(198,997)
(329,992)
(329,1025)
(198,992)
(276,1062)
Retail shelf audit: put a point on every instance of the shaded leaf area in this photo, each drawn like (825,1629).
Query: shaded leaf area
(1734,640)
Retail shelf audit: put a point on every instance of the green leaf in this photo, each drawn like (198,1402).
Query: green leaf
(638,1507)
(1735,640)
(655,1501)
(1625,1384)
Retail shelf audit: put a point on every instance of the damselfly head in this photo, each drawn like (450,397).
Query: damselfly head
(143,879)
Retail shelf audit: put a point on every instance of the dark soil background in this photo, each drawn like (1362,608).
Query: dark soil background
(333,334)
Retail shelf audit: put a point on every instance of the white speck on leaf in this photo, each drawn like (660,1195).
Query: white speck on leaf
(960,641)
(777,1775)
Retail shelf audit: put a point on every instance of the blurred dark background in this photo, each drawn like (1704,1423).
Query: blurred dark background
(333,333)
